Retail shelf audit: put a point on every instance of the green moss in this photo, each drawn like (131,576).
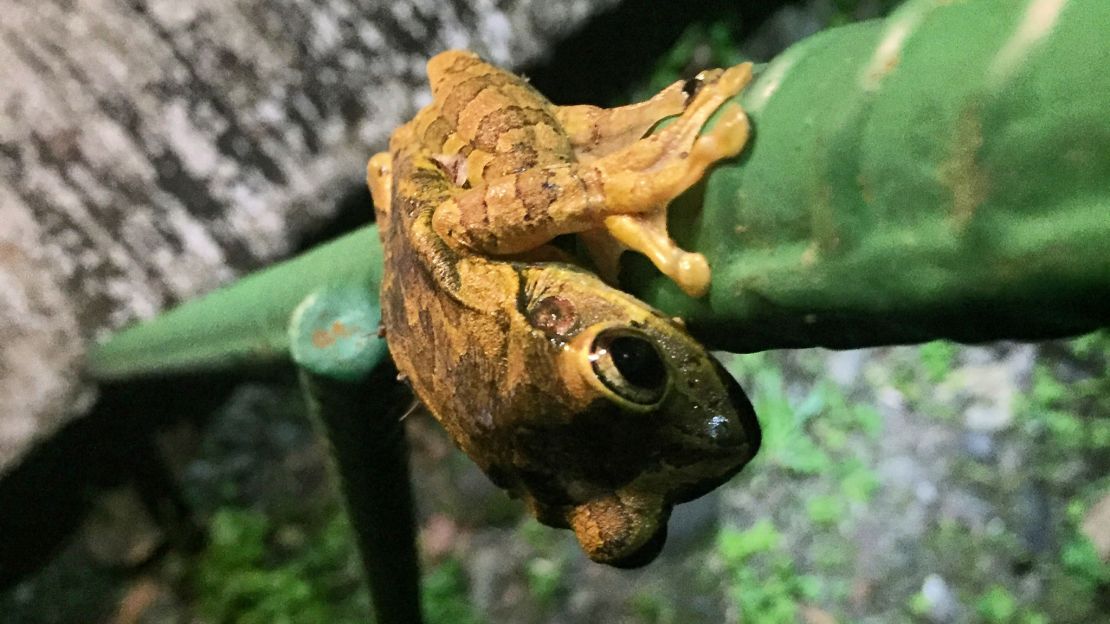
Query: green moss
(445,595)
(997,606)
(763,581)
(937,358)
(825,509)
(254,571)
(246,575)
(652,608)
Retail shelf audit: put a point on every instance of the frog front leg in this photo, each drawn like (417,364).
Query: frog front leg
(379,177)
(625,191)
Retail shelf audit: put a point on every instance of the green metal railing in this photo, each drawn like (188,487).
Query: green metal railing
(943,173)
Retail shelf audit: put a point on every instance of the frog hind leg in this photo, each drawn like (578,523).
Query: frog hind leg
(379,177)
(657,168)
(646,231)
(524,210)
(595,132)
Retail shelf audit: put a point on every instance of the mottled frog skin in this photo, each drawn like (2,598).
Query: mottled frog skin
(595,409)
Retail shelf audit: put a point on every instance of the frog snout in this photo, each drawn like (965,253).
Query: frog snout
(734,424)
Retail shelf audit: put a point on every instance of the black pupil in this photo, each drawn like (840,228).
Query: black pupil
(637,362)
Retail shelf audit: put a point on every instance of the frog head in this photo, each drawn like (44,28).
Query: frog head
(627,415)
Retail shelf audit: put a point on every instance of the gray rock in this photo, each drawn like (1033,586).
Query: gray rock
(979,445)
(153,151)
(942,603)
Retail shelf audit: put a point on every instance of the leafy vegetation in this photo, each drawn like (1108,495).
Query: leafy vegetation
(825,456)
(763,580)
(820,463)
(256,572)
(843,511)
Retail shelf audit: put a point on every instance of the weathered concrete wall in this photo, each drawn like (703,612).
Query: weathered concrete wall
(152,150)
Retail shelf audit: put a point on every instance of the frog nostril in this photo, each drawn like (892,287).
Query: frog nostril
(718,428)
(748,431)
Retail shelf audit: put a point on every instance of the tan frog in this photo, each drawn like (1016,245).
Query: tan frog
(597,410)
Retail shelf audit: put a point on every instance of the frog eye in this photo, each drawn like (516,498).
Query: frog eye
(629,365)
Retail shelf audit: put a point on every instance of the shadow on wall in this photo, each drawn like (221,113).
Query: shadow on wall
(598,64)
(49,494)
(47,497)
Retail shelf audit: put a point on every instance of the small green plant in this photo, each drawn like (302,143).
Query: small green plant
(737,546)
(763,580)
(545,571)
(937,358)
(997,605)
(254,572)
(653,609)
(1078,554)
(1069,412)
(445,595)
(785,441)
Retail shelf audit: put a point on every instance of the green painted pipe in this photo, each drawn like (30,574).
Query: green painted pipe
(943,173)
(244,324)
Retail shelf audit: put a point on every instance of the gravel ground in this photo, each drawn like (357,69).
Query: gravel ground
(931,484)
(910,484)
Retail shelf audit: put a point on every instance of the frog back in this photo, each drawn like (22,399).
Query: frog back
(491,121)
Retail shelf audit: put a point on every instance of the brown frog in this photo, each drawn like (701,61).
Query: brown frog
(597,410)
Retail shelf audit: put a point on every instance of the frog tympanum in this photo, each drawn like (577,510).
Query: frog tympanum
(597,410)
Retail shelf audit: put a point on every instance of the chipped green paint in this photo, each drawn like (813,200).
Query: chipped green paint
(944,173)
(334,333)
(242,325)
(320,310)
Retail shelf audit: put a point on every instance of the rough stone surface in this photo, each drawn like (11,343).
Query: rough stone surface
(152,150)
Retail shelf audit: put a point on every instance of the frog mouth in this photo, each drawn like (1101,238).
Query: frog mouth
(729,453)
(617,505)
(645,554)
(623,530)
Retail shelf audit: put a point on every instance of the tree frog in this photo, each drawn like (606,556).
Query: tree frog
(598,411)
